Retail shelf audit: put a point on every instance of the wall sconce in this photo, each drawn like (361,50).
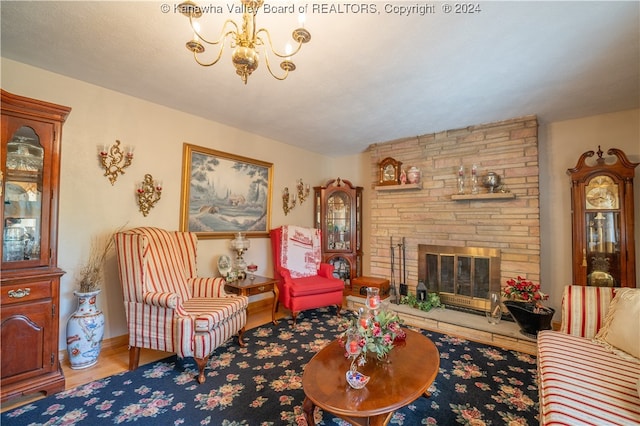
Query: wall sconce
(303,191)
(114,160)
(289,200)
(148,192)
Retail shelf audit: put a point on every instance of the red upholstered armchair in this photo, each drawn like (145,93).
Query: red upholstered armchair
(169,308)
(304,282)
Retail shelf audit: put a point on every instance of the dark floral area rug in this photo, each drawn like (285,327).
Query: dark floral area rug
(261,384)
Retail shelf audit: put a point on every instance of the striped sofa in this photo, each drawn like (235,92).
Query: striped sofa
(168,307)
(581,380)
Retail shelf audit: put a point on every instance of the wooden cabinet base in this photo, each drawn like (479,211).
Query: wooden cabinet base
(47,385)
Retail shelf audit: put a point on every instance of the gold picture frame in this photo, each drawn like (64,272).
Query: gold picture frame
(223,194)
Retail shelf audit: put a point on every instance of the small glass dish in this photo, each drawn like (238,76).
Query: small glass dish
(356,379)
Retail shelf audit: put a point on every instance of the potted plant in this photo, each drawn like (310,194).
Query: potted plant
(85,327)
(524,301)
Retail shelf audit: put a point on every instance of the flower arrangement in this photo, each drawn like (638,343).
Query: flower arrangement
(372,331)
(524,290)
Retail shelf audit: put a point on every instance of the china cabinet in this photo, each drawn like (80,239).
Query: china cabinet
(338,215)
(31,132)
(602,212)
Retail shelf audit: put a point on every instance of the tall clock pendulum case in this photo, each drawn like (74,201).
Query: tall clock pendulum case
(602,213)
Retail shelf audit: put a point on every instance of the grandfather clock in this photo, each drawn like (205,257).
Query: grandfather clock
(602,220)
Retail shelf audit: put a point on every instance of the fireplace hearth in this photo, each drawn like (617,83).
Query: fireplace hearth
(462,276)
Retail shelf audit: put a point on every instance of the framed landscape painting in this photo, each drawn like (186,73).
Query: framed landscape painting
(223,194)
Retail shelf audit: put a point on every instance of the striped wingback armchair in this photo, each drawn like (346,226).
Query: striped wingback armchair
(168,307)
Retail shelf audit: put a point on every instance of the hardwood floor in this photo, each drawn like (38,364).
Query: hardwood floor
(114,358)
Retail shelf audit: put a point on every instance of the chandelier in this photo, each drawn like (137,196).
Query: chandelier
(245,42)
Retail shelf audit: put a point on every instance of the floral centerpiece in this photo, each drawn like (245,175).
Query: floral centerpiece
(521,289)
(372,332)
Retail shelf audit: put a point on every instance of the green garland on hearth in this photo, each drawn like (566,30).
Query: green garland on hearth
(432,301)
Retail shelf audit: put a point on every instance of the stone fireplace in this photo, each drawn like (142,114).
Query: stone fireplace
(462,276)
(431,213)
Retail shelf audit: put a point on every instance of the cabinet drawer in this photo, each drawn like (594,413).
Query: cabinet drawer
(26,292)
(260,289)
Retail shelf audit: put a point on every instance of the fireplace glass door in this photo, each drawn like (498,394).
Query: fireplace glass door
(462,276)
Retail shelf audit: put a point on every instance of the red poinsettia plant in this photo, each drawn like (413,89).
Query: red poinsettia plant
(525,290)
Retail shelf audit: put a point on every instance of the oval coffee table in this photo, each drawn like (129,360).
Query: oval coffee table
(411,368)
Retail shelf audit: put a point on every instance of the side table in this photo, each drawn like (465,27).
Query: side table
(257,285)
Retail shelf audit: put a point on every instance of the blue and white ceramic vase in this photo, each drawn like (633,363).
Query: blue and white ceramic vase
(85,329)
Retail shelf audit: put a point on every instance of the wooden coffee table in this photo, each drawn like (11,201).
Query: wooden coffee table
(412,367)
(257,285)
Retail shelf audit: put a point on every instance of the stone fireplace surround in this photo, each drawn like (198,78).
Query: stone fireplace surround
(427,214)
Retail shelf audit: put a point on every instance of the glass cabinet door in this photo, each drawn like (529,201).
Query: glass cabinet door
(339,221)
(602,256)
(23,189)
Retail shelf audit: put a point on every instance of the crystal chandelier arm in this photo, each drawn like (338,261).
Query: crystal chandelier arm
(274,51)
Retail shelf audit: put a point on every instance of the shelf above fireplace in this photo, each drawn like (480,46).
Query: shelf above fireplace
(402,187)
(485,196)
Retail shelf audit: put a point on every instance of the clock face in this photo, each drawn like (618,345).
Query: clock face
(602,193)
(389,173)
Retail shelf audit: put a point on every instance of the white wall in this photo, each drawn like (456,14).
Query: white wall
(561,144)
(90,206)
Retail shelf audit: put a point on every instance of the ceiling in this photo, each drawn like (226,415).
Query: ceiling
(364,77)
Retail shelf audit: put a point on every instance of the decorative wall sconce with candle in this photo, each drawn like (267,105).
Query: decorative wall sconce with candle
(289,201)
(148,192)
(114,160)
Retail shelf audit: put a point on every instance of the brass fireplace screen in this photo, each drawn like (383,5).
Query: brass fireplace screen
(462,276)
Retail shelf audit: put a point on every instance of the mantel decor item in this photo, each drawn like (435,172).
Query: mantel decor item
(223,194)
(389,170)
(491,181)
(460,179)
(114,160)
(148,193)
(246,39)
(413,175)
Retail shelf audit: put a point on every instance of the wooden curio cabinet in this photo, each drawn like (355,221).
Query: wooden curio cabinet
(602,212)
(30,161)
(338,215)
